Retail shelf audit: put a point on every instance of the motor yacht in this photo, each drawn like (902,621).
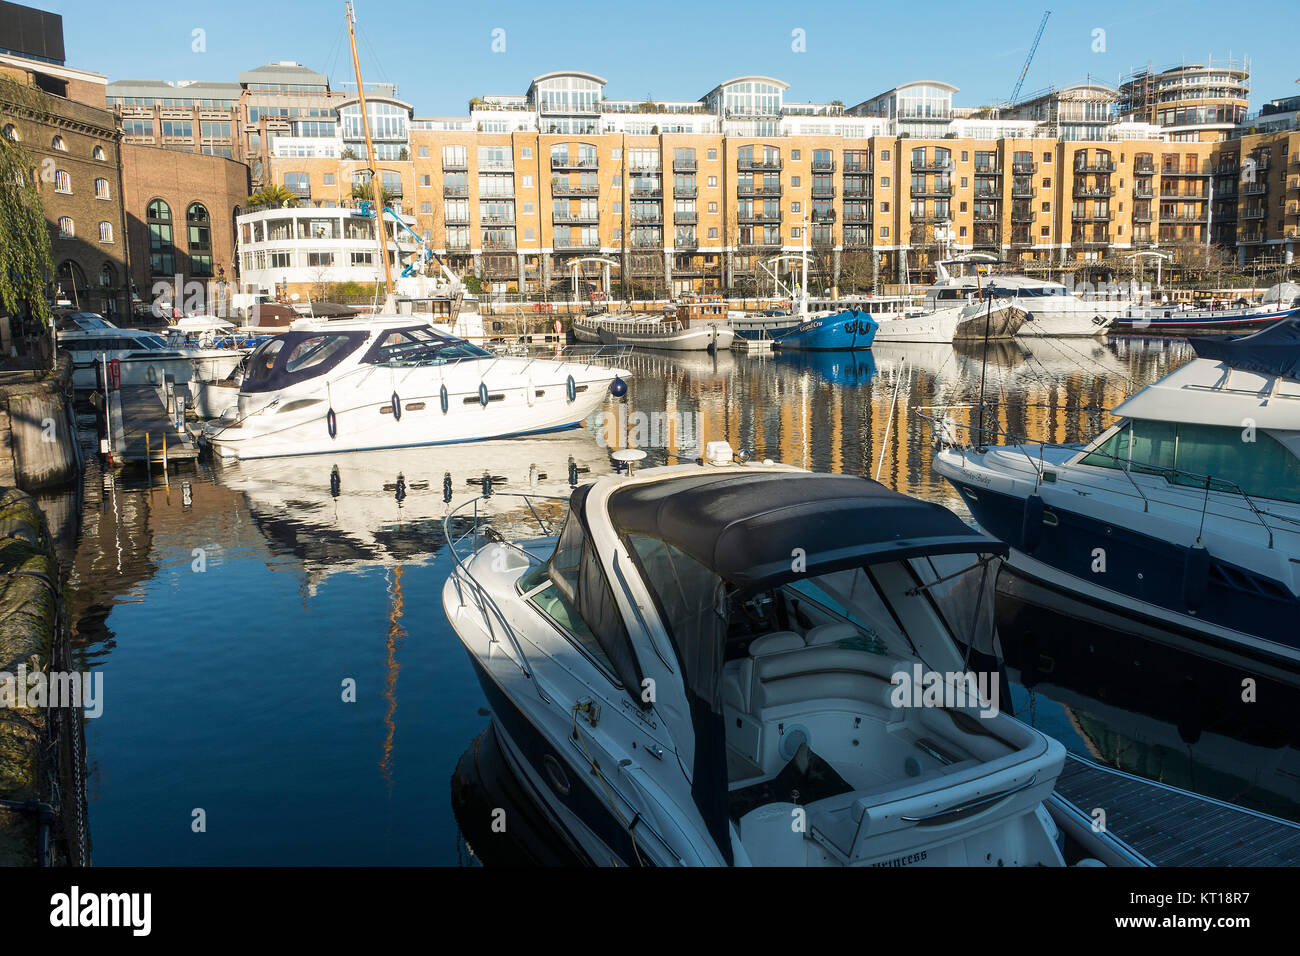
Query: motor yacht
(393,381)
(1050,309)
(1279,302)
(1184,514)
(142,357)
(721,663)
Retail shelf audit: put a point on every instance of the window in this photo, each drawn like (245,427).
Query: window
(281,260)
(319,260)
(66,228)
(713,181)
(105,232)
(713,207)
(794,154)
(713,232)
(11,133)
(884,182)
(884,155)
(526,152)
(199,233)
(101,189)
(162,254)
(1189,454)
(713,154)
(99,154)
(62,181)
(526,182)
(424,151)
(426,180)
(328,179)
(884,232)
(794,207)
(59,144)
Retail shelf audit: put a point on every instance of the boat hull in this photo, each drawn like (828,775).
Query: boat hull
(842,332)
(1173,322)
(687,340)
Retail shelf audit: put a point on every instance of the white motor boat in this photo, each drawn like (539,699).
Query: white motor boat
(391,382)
(142,357)
(1050,308)
(723,664)
(991,317)
(1185,514)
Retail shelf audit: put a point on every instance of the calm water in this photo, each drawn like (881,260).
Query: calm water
(229,610)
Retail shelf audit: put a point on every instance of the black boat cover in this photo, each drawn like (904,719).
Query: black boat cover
(1274,350)
(761,529)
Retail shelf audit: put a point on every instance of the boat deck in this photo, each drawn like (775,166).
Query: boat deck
(1172,827)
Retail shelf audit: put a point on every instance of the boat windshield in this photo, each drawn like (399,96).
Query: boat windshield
(420,345)
(294,357)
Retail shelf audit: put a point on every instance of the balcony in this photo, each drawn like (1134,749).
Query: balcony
(302,192)
(936,190)
(930,216)
(455,165)
(569,189)
(686,242)
(1253,189)
(824,215)
(1143,242)
(758,192)
(1105,166)
(457,218)
(1089,243)
(576,245)
(1182,217)
(646,192)
(564,217)
(854,169)
(857,215)
(1093,192)
(932,166)
(988,194)
(1022,192)
(684,165)
(1143,192)
(758,246)
(458,245)
(1090,216)
(854,190)
(1253,213)
(759,163)
(986,215)
(685,192)
(759,215)
(573,162)
(987,170)
(823,191)
(1144,169)
(456,192)
(645,169)
(1023,169)
(1261,163)
(499,245)
(1249,238)
(1141,216)
(685,218)
(649,218)
(1185,171)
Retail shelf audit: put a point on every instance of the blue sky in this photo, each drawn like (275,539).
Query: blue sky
(441,54)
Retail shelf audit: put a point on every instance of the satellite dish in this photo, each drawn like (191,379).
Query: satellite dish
(295,297)
(628,455)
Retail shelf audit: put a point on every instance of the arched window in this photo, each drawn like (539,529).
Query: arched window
(199,234)
(107,275)
(62,181)
(391,182)
(101,189)
(72,281)
(105,232)
(162,254)
(67,230)
(99,154)
(11,132)
(59,144)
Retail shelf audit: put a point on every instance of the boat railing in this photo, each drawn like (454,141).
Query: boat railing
(943,430)
(463,544)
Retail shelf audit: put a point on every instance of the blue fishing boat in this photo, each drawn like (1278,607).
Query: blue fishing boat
(842,331)
(847,369)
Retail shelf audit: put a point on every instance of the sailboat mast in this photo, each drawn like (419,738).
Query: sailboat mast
(803,298)
(370,156)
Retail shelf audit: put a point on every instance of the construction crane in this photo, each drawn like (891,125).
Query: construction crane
(1015,94)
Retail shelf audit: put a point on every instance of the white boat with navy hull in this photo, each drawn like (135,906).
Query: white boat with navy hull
(389,382)
(670,690)
(666,334)
(1185,514)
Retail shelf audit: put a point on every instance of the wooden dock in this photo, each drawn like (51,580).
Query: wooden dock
(144,425)
(1165,826)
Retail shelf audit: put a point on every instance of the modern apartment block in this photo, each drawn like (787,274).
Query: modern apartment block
(528,191)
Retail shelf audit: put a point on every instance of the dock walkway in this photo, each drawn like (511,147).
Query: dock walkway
(144,425)
(1166,826)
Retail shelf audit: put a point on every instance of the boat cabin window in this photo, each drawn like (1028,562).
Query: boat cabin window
(1187,454)
(294,357)
(582,593)
(404,348)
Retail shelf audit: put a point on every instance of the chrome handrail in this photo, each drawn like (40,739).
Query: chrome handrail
(463,578)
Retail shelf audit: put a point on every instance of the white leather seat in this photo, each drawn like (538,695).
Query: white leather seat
(738,675)
(831,633)
(775,643)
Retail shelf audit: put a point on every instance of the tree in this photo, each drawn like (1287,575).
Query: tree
(26,263)
(365,192)
(272,195)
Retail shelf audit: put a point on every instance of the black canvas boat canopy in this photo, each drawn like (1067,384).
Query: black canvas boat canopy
(1274,350)
(760,529)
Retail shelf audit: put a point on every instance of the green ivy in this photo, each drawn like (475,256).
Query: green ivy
(26,262)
